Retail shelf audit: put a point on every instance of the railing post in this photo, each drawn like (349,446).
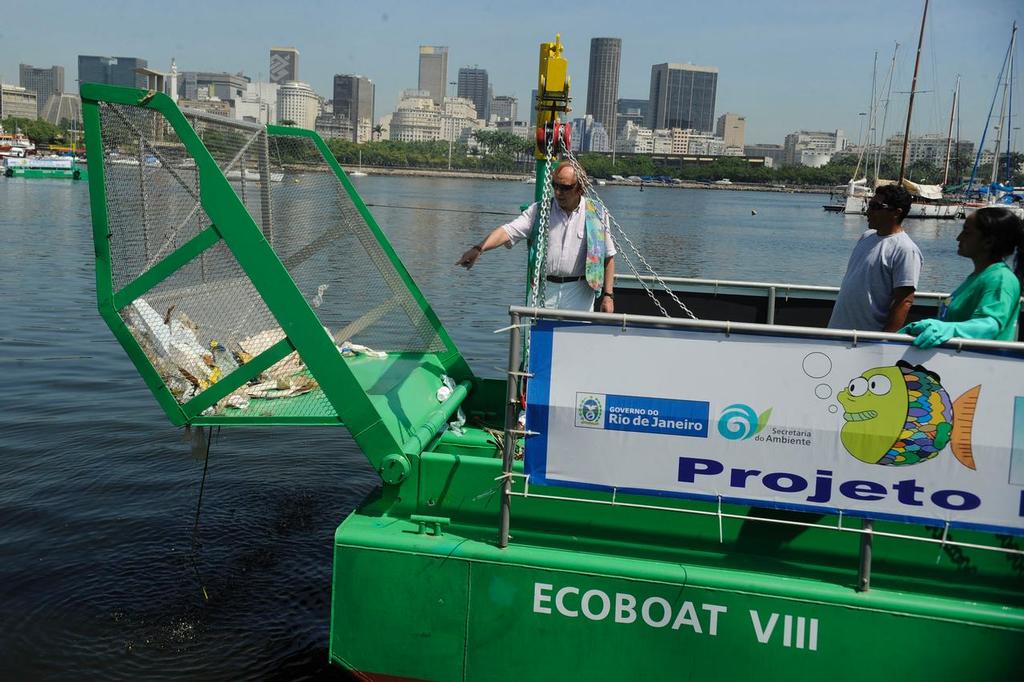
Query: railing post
(864,567)
(771,305)
(511,421)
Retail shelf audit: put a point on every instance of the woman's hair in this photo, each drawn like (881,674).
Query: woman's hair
(1006,232)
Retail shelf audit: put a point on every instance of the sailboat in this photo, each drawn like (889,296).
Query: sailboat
(928,200)
(996,193)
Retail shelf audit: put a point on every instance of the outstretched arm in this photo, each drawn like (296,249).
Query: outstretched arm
(497,237)
(931,333)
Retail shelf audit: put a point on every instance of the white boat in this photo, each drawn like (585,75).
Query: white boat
(236,174)
(15,145)
(357,174)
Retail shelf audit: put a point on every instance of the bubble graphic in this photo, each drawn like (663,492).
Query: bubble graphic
(817,365)
(833,409)
(823,391)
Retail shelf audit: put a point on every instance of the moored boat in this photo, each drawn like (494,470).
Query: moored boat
(44,167)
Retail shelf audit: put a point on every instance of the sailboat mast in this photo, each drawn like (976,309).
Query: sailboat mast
(949,134)
(885,112)
(913,89)
(864,147)
(1002,113)
(1009,110)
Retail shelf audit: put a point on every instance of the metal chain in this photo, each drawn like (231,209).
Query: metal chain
(591,193)
(540,254)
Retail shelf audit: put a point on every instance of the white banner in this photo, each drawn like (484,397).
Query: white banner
(883,430)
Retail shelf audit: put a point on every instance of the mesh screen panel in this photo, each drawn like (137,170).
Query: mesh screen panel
(197,325)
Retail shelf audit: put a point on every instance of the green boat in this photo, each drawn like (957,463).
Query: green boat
(693,510)
(45,167)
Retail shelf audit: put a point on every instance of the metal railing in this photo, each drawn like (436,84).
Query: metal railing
(522,318)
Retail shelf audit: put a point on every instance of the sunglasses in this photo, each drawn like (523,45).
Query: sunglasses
(559,187)
(877,206)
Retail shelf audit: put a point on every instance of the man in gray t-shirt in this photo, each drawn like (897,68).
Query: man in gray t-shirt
(881,277)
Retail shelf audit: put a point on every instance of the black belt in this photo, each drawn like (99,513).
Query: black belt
(557,279)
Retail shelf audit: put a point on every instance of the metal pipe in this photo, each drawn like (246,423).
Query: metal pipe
(511,419)
(758,285)
(864,567)
(621,319)
(771,305)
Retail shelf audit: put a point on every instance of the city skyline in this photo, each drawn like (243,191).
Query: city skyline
(785,67)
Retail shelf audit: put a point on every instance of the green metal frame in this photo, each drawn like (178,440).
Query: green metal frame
(232,224)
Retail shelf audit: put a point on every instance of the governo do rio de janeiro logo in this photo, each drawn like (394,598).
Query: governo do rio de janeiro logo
(740,422)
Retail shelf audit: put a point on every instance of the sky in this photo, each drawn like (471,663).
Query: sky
(785,65)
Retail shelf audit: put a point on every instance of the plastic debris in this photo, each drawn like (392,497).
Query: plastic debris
(349,349)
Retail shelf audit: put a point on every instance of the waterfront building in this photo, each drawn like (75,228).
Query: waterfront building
(812,148)
(112,70)
(434,71)
(211,106)
(383,127)
(417,118)
(63,107)
(17,101)
(682,96)
(44,82)
(258,104)
(589,135)
(731,128)
(298,103)
(474,85)
(354,100)
(222,86)
(458,119)
(775,152)
(603,82)
(634,110)
(284,64)
(504,108)
(690,141)
(518,128)
(334,126)
(930,148)
(634,138)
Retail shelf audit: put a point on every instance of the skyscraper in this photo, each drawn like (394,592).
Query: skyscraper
(683,96)
(433,71)
(474,86)
(603,82)
(284,64)
(353,101)
(44,82)
(112,70)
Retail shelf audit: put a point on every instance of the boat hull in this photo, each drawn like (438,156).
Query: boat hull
(859,206)
(408,604)
(79,173)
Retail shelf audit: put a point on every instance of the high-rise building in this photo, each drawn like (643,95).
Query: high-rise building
(44,82)
(284,64)
(298,103)
(682,96)
(731,128)
(112,70)
(63,107)
(18,102)
(775,153)
(504,108)
(353,101)
(474,86)
(603,82)
(433,71)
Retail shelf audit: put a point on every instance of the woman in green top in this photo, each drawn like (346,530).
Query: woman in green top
(986,305)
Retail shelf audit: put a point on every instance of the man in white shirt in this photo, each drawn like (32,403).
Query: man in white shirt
(881,277)
(566,283)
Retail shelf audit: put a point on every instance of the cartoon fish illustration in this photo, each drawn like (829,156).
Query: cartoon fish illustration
(901,415)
